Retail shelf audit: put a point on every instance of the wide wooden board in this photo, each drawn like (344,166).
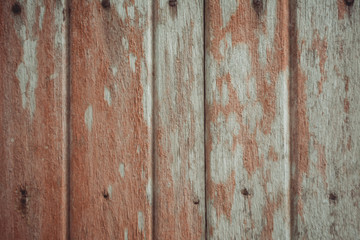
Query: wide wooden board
(111,72)
(247,119)
(325,119)
(179,190)
(33,136)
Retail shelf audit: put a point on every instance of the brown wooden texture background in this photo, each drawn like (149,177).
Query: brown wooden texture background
(187,119)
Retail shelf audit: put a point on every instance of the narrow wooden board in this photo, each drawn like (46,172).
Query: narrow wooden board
(325,119)
(247,119)
(111,72)
(179,195)
(33,182)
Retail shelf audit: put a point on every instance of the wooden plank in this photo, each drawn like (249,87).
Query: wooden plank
(179,195)
(33,182)
(325,130)
(247,129)
(111,72)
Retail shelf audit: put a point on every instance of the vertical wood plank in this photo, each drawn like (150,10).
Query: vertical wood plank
(33,120)
(325,123)
(111,72)
(179,120)
(247,129)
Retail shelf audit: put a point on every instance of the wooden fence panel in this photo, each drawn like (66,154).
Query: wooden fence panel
(325,132)
(33,182)
(179,195)
(111,72)
(247,128)
(165,119)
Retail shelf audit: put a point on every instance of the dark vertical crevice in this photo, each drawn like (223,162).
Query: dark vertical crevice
(204,73)
(293,96)
(153,9)
(68,116)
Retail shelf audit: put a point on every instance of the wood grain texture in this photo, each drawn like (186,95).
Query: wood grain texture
(111,72)
(33,120)
(325,132)
(179,190)
(247,120)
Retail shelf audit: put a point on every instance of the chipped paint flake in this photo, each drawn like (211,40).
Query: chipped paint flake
(149,191)
(119,6)
(122,170)
(114,70)
(28,76)
(89,117)
(42,12)
(110,190)
(126,234)
(140,221)
(107,95)
(132,60)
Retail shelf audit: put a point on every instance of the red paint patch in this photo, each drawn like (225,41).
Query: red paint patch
(321,47)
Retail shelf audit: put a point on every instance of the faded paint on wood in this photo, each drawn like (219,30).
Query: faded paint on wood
(179,190)
(111,72)
(33,120)
(274,169)
(247,120)
(325,133)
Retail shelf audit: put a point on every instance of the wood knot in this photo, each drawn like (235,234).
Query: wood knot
(333,197)
(105,3)
(173,3)
(23,199)
(245,192)
(349,2)
(16,8)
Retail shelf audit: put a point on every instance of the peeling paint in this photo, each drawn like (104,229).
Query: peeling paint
(88,116)
(132,60)
(109,190)
(107,95)
(42,12)
(28,76)
(126,234)
(122,170)
(140,221)
(149,191)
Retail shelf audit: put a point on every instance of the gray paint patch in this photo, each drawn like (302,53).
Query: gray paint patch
(126,234)
(149,191)
(42,11)
(28,76)
(132,60)
(89,117)
(140,221)
(107,95)
(110,190)
(122,169)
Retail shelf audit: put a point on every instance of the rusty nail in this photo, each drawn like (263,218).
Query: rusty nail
(105,3)
(106,195)
(196,200)
(16,8)
(245,192)
(172,3)
(349,2)
(257,3)
(332,196)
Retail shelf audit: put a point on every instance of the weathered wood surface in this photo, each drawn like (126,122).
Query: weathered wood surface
(214,119)
(325,123)
(247,128)
(111,72)
(179,190)
(33,120)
